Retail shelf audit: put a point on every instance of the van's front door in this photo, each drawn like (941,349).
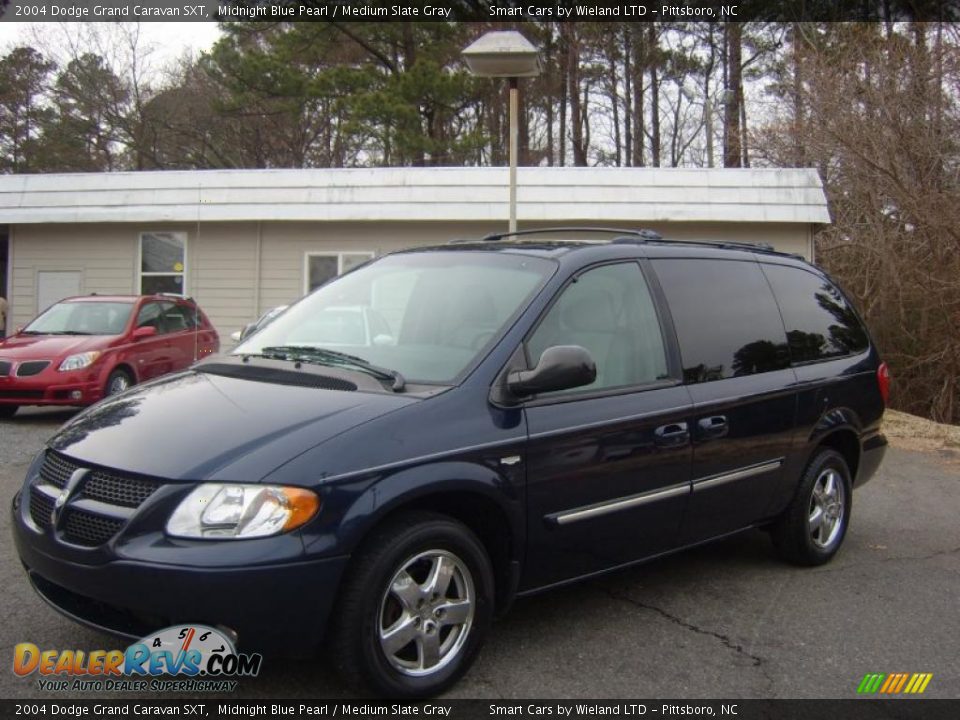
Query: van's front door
(608,465)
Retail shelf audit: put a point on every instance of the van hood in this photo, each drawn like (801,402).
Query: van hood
(48,347)
(201,426)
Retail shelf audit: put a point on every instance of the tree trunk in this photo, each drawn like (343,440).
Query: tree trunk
(653,60)
(627,95)
(732,151)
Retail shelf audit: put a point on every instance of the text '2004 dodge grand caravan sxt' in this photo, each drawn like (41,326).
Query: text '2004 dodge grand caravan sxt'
(528,413)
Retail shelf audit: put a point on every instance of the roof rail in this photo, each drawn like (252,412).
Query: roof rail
(640,234)
(636,237)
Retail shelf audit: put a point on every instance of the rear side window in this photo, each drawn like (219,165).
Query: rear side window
(178,318)
(726,318)
(820,322)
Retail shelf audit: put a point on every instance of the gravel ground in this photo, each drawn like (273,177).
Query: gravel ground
(725,620)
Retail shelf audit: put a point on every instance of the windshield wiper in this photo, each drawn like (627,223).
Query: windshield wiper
(323,356)
(54,332)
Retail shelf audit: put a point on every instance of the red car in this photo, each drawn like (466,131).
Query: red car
(83,349)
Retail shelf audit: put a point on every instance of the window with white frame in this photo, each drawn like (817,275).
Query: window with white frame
(163,263)
(319,267)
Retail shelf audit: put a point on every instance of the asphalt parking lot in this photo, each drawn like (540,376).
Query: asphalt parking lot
(726,620)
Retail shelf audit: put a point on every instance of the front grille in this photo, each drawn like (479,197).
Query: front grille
(116,490)
(21,394)
(32,367)
(84,528)
(87,527)
(40,508)
(56,469)
(5,366)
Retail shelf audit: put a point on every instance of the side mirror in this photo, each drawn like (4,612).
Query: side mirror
(247,330)
(561,367)
(144,332)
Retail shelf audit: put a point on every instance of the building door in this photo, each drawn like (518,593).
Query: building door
(54,286)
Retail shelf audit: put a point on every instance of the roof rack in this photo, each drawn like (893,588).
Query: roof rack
(640,234)
(636,237)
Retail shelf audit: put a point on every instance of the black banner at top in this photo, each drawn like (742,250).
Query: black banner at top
(505,11)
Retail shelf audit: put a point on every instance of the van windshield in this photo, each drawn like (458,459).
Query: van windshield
(425,315)
(82,318)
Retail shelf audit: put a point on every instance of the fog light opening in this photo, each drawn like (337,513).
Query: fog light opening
(76,395)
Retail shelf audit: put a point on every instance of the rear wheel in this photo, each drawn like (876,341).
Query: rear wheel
(812,529)
(415,607)
(8,411)
(118,381)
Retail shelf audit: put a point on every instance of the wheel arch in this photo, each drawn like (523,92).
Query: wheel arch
(127,368)
(466,493)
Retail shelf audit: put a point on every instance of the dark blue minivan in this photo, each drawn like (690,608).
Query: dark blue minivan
(378,472)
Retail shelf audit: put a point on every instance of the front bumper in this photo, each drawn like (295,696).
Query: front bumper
(277,609)
(52,387)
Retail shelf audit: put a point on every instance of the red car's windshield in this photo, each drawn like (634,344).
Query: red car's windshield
(82,318)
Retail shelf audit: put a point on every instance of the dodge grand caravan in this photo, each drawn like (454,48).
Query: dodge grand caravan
(531,413)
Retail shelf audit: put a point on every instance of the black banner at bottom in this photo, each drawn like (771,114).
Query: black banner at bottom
(858,709)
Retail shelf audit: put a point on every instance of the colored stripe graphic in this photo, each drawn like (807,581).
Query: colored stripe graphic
(894,683)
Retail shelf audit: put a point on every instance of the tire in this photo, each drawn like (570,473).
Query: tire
(8,411)
(405,554)
(812,529)
(118,381)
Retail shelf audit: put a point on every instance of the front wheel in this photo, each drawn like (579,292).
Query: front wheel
(8,411)
(118,381)
(415,607)
(813,527)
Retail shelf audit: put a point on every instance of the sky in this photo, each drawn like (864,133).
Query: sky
(167,40)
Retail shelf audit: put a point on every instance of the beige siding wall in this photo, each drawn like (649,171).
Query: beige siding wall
(224,259)
(223,262)
(105,255)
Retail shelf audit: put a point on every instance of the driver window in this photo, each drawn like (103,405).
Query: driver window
(149,316)
(608,311)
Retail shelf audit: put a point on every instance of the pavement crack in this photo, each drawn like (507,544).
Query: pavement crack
(725,640)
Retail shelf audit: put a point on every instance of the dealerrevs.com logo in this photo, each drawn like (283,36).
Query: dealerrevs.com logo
(202,658)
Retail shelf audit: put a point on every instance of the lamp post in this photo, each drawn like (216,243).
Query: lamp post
(505,54)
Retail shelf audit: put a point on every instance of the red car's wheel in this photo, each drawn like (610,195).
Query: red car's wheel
(118,381)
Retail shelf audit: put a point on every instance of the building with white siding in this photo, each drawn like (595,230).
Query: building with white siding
(242,241)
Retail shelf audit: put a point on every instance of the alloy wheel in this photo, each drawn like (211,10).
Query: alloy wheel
(825,519)
(426,613)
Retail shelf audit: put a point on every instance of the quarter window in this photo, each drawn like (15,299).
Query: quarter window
(608,311)
(820,323)
(321,267)
(163,263)
(726,318)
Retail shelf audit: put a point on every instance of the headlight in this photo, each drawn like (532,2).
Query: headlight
(79,361)
(216,510)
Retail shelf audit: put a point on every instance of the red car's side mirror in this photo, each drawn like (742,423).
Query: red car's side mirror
(144,332)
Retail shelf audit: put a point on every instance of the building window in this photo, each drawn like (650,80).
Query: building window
(163,261)
(321,267)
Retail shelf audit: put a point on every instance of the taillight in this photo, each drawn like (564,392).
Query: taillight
(883,381)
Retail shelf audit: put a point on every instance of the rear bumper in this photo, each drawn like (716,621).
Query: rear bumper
(874,448)
(279,609)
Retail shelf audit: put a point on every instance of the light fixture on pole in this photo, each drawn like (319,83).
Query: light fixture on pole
(506,54)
